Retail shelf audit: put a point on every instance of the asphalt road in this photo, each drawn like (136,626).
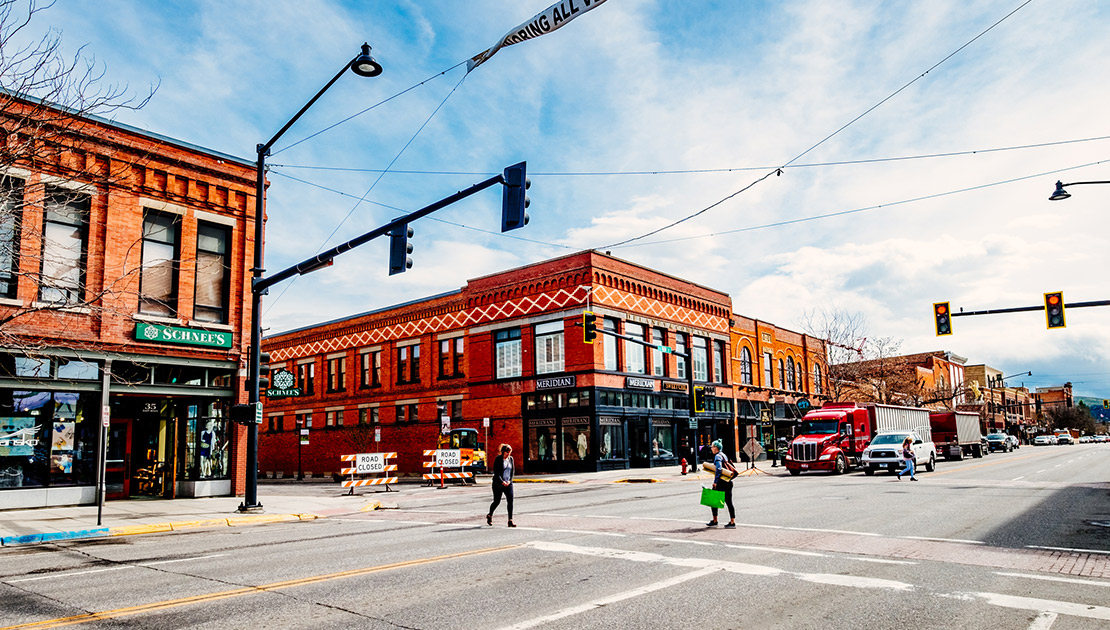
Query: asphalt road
(1014,540)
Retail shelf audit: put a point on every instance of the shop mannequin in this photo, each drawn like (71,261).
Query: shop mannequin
(207,449)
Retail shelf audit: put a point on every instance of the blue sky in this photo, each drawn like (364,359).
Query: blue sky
(642,85)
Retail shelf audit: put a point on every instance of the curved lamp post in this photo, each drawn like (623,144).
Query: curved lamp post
(363,65)
(1060,193)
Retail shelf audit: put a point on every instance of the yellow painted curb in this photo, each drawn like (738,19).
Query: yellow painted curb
(543,481)
(261,518)
(371,506)
(212,522)
(308,517)
(131,530)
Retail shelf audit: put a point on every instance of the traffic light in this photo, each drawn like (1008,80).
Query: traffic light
(514,198)
(399,249)
(263,371)
(1054,309)
(943,318)
(699,399)
(589,326)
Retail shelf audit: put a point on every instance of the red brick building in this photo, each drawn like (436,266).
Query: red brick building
(121,304)
(508,348)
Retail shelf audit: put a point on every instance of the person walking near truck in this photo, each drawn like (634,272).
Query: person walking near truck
(502,483)
(909,458)
(722,465)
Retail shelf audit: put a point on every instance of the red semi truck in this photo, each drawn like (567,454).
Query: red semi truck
(834,437)
(957,434)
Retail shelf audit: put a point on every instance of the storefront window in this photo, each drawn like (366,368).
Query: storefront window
(540,438)
(47,439)
(612,437)
(662,438)
(575,439)
(206,440)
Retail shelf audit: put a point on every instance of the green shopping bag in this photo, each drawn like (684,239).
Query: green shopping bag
(712,498)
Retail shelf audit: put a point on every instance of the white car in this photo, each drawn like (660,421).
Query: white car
(1064,438)
(885,451)
(1044,440)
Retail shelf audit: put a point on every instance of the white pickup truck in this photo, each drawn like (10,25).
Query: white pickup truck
(885,451)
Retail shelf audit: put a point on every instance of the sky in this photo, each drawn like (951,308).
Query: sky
(643,112)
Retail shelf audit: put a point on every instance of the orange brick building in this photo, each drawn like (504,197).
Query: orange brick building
(505,356)
(121,306)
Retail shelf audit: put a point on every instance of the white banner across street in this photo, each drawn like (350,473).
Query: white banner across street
(552,18)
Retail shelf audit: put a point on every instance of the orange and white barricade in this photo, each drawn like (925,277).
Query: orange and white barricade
(443,459)
(369,464)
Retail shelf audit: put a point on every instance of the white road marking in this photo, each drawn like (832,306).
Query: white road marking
(1067,549)
(685,542)
(958,540)
(884,561)
(1057,465)
(1018,478)
(1047,606)
(571,531)
(106,569)
(1040,471)
(1043,621)
(778,550)
(1052,578)
(612,599)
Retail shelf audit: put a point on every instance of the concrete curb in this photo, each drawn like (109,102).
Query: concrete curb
(155,528)
(637,480)
(526,480)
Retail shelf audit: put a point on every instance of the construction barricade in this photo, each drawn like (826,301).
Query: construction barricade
(442,459)
(369,464)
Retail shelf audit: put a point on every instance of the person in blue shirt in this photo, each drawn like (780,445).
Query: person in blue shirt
(719,460)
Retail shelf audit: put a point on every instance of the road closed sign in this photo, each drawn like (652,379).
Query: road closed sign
(369,463)
(448,458)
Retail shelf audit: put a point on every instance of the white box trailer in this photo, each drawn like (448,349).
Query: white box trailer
(891,418)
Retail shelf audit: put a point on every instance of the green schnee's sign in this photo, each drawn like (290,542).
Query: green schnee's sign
(182,336)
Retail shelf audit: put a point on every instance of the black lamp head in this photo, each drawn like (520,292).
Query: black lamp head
(1060,192)
(364,65)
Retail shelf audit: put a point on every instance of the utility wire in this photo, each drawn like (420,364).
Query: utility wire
(867,208)
(826,138)
(356,115)
(697,171)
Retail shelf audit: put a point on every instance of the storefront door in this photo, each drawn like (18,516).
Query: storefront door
(117,478)
(148,457)
(639,442)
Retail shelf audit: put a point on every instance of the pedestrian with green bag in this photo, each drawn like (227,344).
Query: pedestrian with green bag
(722,481)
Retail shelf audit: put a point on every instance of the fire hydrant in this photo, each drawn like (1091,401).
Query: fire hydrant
(683,465)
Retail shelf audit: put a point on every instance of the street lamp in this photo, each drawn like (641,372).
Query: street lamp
(1060,193)
(365,66)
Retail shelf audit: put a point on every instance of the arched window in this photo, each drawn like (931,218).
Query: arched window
(782,374)
(745,366)
(817,388)
(790,382)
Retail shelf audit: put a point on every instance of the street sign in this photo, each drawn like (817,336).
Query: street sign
(369,463)
(445,424)
(258,412)
(753,449)
(105,415)
(283,382)
(693,423)
(665,349)
(448,458)
(485,422)
(377,434)
(304,437)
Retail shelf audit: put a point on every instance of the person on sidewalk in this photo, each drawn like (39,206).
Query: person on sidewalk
(909,458)
(720,463)
(502,483)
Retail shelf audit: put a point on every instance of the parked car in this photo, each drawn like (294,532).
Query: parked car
(1014,442)
(999,442)
(1044,440)
(885,451)
(1063,437)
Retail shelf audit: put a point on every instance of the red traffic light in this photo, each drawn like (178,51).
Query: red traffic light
(941,319)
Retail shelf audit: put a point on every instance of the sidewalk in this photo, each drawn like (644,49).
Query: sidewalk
(282,500)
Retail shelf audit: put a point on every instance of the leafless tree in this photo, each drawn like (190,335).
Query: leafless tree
(845,335)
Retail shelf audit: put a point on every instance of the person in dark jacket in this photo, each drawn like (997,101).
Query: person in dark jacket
(502,483)
(723,485)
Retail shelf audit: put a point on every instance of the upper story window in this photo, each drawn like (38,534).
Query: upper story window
(507,359)
(11,209)
(64,246)
(158,281)
(337,374)
(306,378)
(768,370)
(782,374)
(701,359)
(609,344)
(817,387)
(408,364)
(334,418)
(719,362)
(745,366)
(451,357)
(790,382)
(370,369)
(549,347)
(658,360)
(635,355)
(680,346)
(213,279)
